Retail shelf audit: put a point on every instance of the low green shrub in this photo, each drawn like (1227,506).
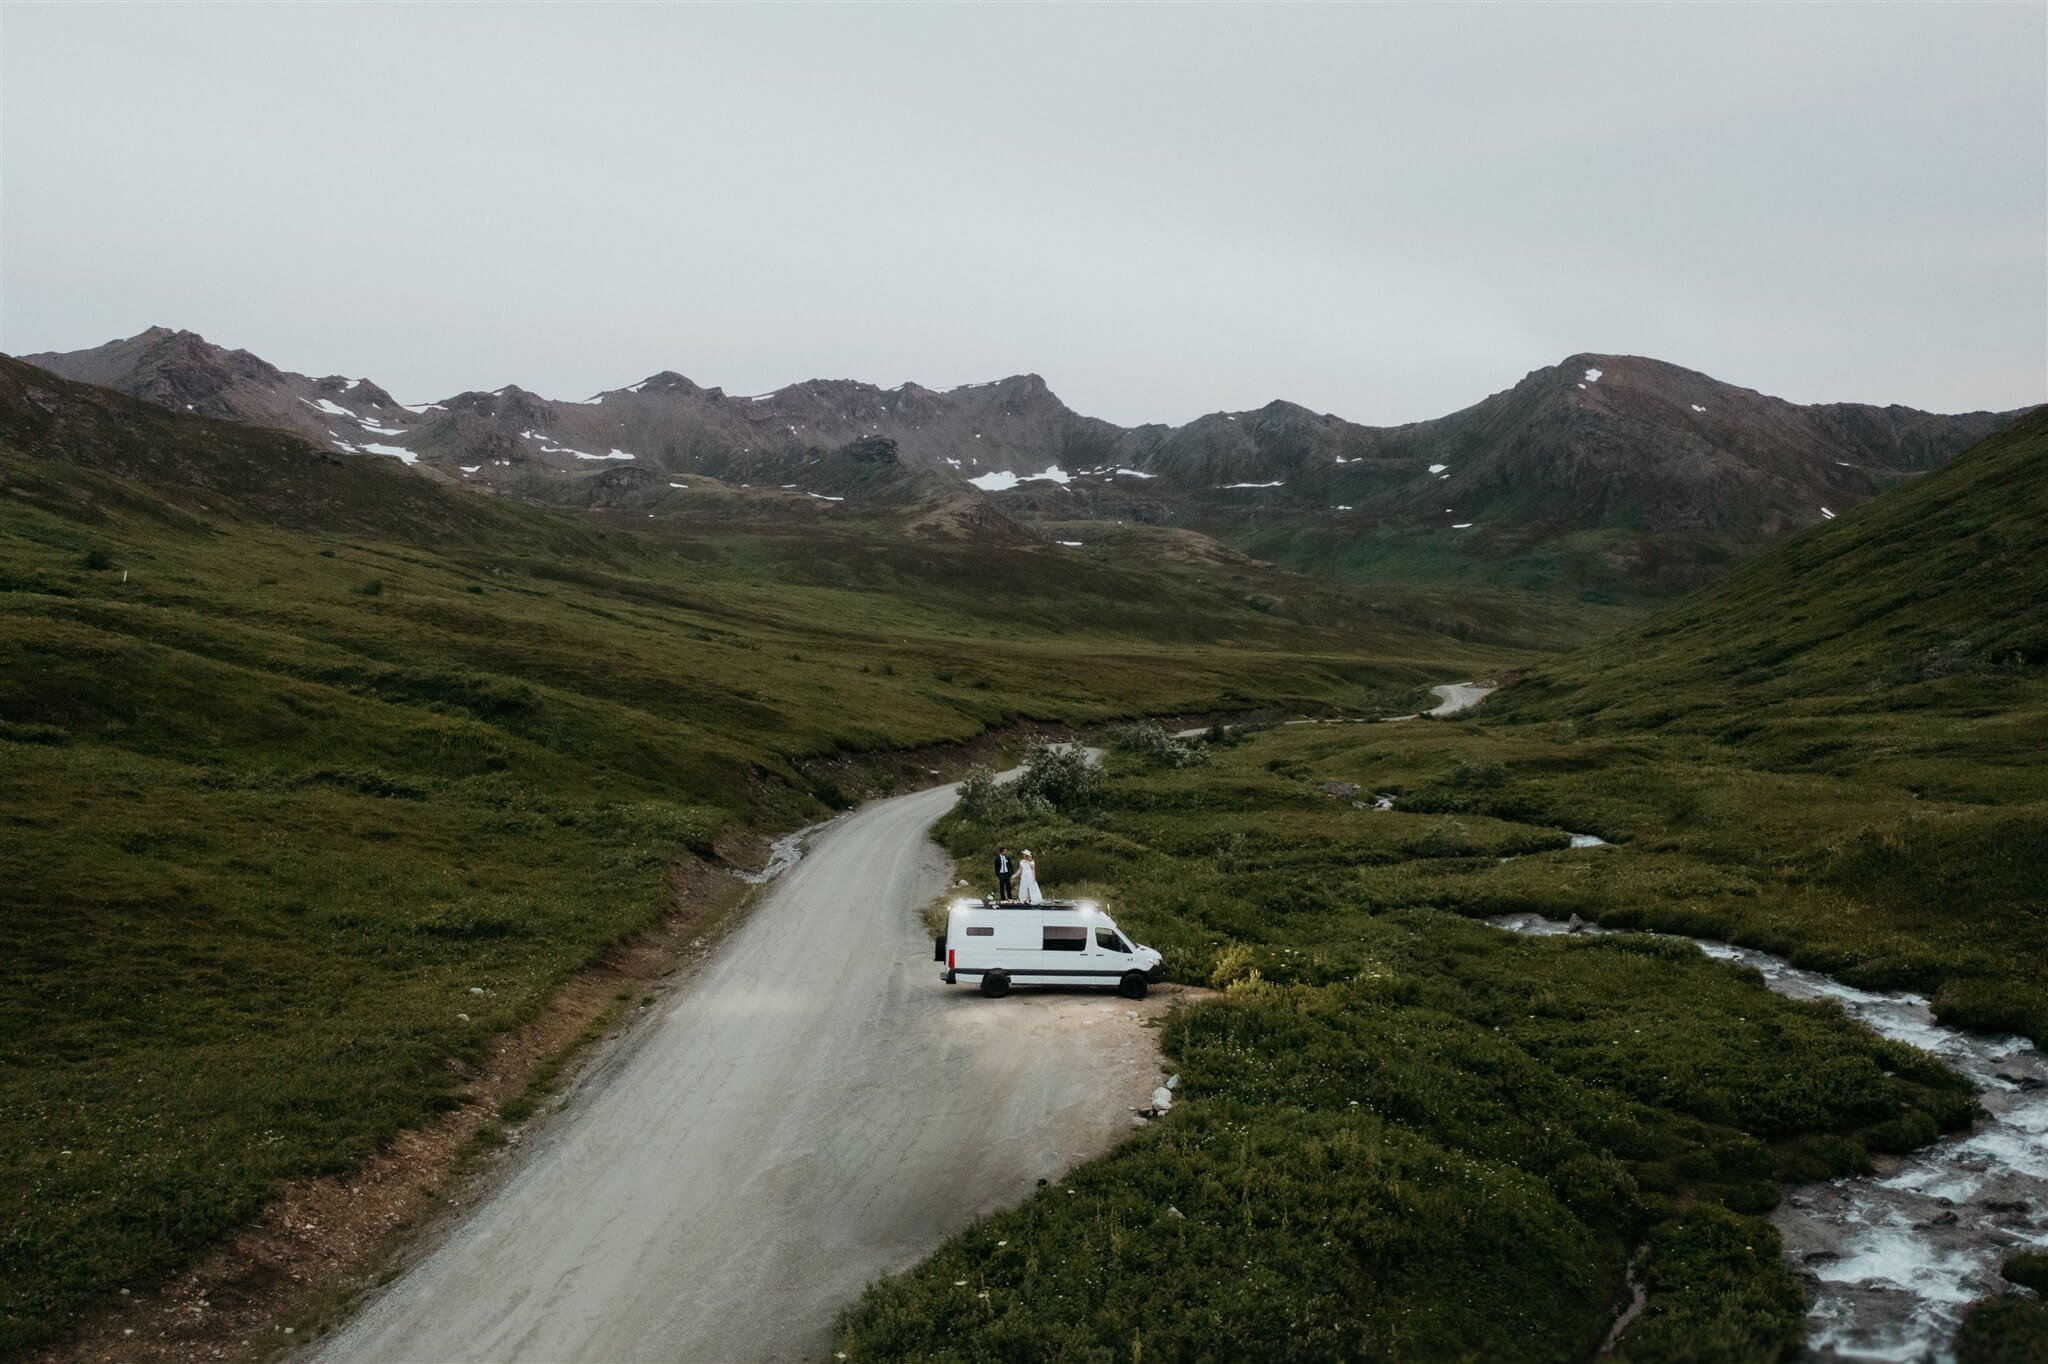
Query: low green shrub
(2029,1269)
(1148,741)
(1063,777)
(1716,1293)
(2004,1330)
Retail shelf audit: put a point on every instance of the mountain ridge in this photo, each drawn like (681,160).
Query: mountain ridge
(1628,449)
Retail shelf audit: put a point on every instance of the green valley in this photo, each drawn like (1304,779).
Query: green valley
(320,776)
(307,759)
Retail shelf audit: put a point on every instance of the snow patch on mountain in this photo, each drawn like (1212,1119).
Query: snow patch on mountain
(1003,480)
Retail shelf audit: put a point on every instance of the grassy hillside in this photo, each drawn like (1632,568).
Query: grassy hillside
(1406,1134)
(1863,710)
(317,775)
(1539,564)
(1927,597)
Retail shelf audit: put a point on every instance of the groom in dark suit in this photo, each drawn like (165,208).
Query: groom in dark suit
(1005,868)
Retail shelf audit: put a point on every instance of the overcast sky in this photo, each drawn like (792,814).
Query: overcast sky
(1387,212)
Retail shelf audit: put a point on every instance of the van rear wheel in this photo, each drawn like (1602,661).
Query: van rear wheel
(1132,986)
(995,985)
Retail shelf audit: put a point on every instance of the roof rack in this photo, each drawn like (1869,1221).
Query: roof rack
(991,902)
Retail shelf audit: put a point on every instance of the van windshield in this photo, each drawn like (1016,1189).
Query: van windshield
(1108,940)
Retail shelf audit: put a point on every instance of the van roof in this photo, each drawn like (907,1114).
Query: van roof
(990,902)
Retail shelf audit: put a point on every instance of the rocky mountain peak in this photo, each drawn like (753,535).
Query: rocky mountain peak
(194,354)
(1593,373)
(668,381)
(510,403)
(1025,385)
(357,393)
(180,370)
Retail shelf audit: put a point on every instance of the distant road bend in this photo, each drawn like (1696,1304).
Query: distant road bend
(1452,698)
(814,1110)
(1459,696)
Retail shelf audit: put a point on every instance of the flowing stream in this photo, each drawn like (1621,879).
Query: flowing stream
(784,853)
(1892,1259)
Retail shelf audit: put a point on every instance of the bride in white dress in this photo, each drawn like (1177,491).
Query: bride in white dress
(1027,880)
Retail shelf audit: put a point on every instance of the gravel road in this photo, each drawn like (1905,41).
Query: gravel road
(1460,696)
(812,1111)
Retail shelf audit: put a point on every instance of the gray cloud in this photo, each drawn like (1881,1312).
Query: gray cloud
(1382,211)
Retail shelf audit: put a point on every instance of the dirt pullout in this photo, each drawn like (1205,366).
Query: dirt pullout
(812,1111)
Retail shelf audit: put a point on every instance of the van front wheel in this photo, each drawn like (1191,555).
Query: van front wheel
(995,985)
(1132,986)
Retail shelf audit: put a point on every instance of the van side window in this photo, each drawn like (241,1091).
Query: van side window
(1107,938)
(981,931)
(1064,938)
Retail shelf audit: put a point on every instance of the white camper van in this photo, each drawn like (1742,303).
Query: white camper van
(999,943)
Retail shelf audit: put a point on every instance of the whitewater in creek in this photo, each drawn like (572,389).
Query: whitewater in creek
(1892,1259)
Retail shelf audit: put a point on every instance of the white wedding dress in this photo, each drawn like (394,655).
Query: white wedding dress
(1027,882)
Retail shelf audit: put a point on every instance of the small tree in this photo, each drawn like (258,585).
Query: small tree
(1149,741)
(1059,775)
(982,799)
